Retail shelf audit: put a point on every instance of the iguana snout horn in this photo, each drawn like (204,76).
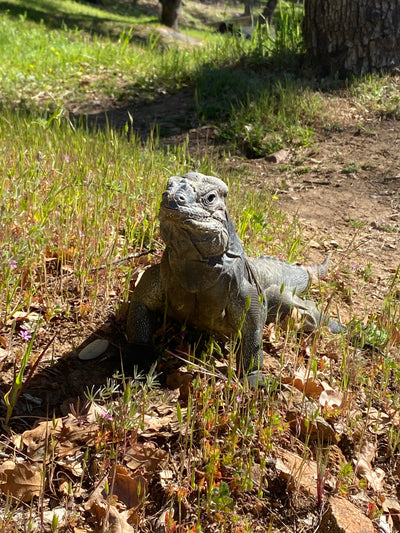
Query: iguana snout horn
(179,193)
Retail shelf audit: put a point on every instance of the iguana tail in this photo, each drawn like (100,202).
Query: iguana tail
(317,272)
(272,271)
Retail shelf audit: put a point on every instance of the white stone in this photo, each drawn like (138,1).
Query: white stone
(94,349)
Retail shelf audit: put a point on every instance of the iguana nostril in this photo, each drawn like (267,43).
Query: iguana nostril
(180,198)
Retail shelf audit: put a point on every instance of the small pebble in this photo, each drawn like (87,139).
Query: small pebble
(94,349)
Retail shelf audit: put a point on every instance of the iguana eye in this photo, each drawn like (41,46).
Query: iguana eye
(210,198)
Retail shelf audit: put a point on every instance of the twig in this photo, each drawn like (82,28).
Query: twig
(34,366)
(101,267)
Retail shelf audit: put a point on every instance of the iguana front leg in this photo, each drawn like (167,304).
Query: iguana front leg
(147,301)
(249,358)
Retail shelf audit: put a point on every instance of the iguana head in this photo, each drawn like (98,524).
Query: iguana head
(195,205)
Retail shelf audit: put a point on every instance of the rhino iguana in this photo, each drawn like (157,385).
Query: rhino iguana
(206,279)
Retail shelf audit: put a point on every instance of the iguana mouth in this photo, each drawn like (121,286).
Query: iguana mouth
(190,218)
(207,234)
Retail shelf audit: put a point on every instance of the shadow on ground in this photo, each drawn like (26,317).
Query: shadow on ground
(165,115)
(44,12)
(56,387)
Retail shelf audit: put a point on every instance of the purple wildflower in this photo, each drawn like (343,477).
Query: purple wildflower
(25,334)
(105,414)
(13,264)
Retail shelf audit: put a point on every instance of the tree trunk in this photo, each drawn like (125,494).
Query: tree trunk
(353,36)
(268,12)
(248,7)
(170,12)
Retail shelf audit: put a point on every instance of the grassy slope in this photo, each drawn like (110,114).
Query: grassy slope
(72,199)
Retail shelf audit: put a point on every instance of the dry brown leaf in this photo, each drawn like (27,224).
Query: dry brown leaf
(374,477)
(131,490)
(68,436)
(22,481)
(298,471)
(73,463)
(117,522)
(26,315)
(108,518)
(158,425)
(395,337)
(379,421)
(175,380)
(368,450)
(330,398)
(146,457)
(390,505)
(304,382)
(3,342)
(364,466)
(165,522)
(132,516)
(35,440)
(71,434)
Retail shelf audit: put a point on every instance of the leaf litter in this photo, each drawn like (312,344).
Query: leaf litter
(134,485)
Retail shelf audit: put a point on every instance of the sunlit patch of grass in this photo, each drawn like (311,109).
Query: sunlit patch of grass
(279,116)
(378,94)
(72,201)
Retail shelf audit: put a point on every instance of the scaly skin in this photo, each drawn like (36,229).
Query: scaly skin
(206,279)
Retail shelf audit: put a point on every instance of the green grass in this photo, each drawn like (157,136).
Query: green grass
(378,94)
(94,186)
(105,20)
(47,68)
(101,200)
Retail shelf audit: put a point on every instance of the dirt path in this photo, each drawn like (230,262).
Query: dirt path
(345,189)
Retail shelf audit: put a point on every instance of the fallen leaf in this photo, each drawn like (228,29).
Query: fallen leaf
(36,440)
(330,398)
(379,421)
(129,489)
(165,522)
(390,505)
(304,382)
(22,481)
(157,425)
(364,467)
(26,316)
(297,471)
(3,342)
(107,516)
(147,457)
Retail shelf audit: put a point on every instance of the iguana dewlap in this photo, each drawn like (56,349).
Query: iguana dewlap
(205,278)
